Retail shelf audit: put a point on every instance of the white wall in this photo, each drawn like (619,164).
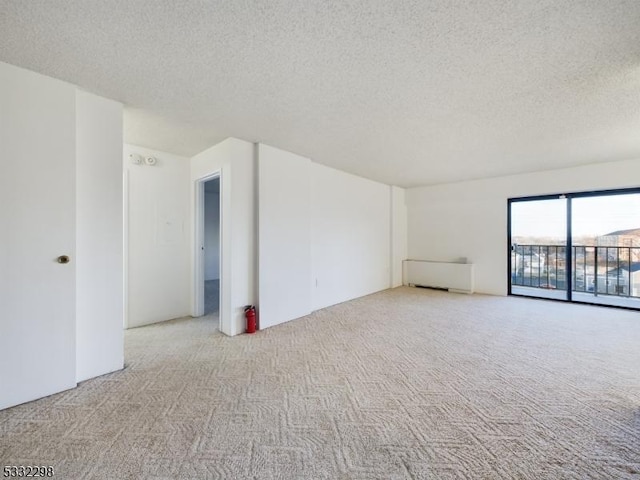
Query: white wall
(234,160)
(325,236)
(315,222)
(350,236)
(212,236)
(158,247)
(398,234)
(469,219)
(61,193)
(285,239)
(99,236)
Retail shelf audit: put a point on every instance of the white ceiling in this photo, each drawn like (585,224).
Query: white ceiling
(406,92)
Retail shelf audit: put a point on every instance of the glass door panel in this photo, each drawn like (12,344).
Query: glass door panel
(538,261)
(605,234)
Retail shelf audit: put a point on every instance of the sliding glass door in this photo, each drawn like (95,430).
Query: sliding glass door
(582,247)
(538,248)
(605,234)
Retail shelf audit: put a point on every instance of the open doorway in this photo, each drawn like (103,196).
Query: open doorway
(210,247)
(220,202)
(211,242)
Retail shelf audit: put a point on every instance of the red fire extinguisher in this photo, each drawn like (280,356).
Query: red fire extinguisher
(250,314)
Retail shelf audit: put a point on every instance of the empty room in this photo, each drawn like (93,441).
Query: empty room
(320,240)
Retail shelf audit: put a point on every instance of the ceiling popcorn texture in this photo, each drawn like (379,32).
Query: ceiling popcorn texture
(406,92)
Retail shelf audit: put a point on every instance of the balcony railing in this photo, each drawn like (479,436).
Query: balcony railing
(599,270)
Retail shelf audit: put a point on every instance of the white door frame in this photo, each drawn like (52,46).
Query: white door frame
(197,307)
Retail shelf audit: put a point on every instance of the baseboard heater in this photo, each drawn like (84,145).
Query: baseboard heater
(451,276)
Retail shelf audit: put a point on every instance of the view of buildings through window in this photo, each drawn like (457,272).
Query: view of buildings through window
(605,248)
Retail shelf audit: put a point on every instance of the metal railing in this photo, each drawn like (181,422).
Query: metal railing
(599,270)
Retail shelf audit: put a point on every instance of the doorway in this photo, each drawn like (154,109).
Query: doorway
(580,247)
(211,245)
(209,278)
(539,247)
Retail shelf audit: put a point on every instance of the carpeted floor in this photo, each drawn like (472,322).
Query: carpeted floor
(403,384)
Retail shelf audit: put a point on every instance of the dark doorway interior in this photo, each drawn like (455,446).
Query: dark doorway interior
(212,246)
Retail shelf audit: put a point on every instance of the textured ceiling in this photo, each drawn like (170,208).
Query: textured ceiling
(406,92)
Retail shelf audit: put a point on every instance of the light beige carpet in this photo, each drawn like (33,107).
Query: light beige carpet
(404,384)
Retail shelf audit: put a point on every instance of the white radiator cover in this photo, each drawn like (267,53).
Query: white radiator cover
(455,277)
